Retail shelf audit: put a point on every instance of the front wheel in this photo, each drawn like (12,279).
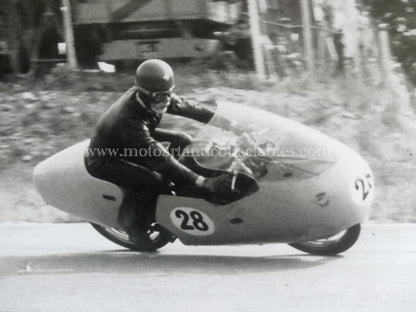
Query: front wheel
(332,245)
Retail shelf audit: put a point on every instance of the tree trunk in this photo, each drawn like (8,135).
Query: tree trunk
(14,35)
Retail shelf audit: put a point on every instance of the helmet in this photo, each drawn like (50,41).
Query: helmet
(155,75)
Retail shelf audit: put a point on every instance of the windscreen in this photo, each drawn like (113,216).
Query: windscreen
(271,145)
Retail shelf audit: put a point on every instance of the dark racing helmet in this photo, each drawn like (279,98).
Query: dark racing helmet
(155,75)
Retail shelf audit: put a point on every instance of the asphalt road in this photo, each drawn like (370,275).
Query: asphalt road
(70,267)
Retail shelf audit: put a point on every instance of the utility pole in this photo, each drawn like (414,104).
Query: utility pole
(256,38)
(307,35)
(353,33)
(385,53)
(71,58)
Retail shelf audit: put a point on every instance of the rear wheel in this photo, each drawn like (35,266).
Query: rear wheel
(148,238)
(116,236)
(332,245)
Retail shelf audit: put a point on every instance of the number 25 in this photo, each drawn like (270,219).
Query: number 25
(365,185)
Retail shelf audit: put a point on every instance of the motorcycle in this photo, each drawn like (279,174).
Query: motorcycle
(290,184)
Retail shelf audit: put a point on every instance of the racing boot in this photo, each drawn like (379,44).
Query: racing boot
(127,213)
(137,218)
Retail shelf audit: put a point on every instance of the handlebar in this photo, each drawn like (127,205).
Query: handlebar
(243,155)
(246,148)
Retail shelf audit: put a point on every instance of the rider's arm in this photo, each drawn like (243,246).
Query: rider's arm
(201,113)
(153,155)
(196,111)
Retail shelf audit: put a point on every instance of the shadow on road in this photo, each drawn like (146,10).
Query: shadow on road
(151,263)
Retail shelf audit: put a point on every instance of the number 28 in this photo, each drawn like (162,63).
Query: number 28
(192,221)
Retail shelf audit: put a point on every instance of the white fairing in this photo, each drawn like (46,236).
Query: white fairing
(316,188)
(299,199)
(64,183)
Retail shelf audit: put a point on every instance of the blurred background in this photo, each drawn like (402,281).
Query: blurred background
(344,67)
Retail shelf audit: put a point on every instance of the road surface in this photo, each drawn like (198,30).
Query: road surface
(70,267)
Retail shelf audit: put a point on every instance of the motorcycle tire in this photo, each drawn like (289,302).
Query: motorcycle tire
(116,236)
(147,240)
(332,245)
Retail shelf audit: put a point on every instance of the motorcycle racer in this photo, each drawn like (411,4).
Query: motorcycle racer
(132,122)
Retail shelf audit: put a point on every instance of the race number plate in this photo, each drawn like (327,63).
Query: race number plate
(192,221)
(363,188)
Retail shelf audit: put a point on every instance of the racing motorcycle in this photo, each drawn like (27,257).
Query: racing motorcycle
(290,184)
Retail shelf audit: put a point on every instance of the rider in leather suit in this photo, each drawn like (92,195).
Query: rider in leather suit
(131,123)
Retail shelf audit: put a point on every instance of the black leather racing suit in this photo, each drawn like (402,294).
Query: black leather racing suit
(128,124)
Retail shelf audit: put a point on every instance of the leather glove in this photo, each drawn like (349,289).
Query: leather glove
(218,186)
(174,98)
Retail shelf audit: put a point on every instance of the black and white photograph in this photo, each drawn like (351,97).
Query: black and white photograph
(207,155)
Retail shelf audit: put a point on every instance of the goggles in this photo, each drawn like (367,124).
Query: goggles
(157,96)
